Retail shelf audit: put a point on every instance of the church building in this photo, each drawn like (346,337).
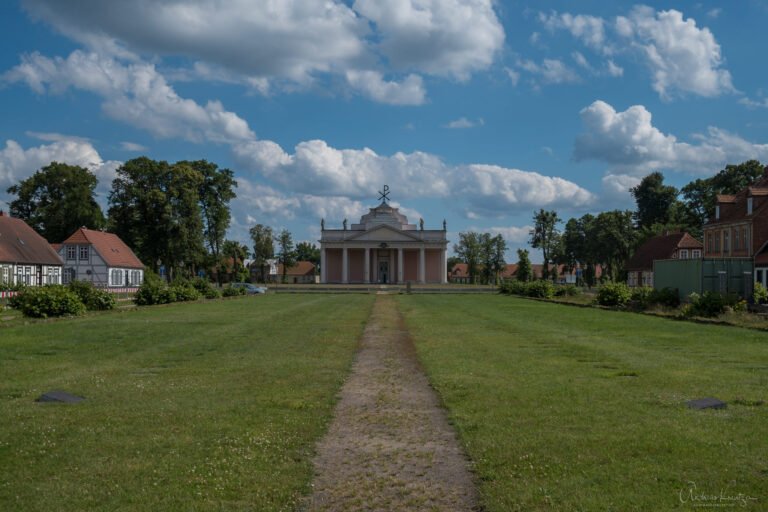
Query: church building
(383,248)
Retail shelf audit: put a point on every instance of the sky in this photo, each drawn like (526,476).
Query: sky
(476,112)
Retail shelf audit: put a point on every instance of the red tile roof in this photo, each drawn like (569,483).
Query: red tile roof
(302,268)
(110,247)
(661,247)
(19,243)
(733,208)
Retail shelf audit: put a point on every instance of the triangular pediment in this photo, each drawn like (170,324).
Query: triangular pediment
(385,233)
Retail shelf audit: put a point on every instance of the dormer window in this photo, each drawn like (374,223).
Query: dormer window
(717,212)
(749,206)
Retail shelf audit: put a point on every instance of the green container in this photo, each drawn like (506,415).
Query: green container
(726,275)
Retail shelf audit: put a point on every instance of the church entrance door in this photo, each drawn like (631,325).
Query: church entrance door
(383,272)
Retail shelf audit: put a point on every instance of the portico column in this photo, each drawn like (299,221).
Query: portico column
(323,260)
(367,276)
(345,266)
(392,277)
(375,266)
(422,269)
(444,266)
(400,265)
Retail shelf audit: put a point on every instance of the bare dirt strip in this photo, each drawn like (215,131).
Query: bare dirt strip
(390,446)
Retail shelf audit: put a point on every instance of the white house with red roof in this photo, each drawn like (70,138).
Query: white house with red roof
(26,257)
(101,258)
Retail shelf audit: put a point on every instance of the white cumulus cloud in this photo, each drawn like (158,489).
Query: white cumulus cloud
(372,84)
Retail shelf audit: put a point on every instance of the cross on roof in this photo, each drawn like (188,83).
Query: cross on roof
(384,196)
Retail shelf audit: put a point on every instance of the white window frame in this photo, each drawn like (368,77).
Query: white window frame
(83,253)
(683,254)
(120,273)
(749,206)
(71,253)
(696,253)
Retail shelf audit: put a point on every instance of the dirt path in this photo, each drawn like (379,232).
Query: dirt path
(390,446)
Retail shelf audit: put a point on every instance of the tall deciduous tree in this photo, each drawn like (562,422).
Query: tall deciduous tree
(655,201)
(215,193)
(237,253)
(470,252)
(263,247)
(155,209)
(57,200)
(286,255)
(613,239)
(545,236)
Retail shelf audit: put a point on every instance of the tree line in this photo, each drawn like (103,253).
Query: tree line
(172,215)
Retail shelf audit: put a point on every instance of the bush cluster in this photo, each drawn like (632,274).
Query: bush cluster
(232,292)
(155,291)
(712,304)
(205,288)
(614,295)
(644,297)
(47,301)
(538,289)
(760,294)
(93,298)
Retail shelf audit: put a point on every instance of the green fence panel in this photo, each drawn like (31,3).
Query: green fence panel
(682,275)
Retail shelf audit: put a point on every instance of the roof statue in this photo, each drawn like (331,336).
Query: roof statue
(345,224)
(421,224)
(322,224)
(384,196)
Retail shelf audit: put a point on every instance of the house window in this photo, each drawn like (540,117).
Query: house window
(749,206)
(68,275)
(696,253)
(5,275)
(83,252)
(717,212)
(717,242)
(736,239)
(28,277)
(71,252)
(135,278)
(683,254)
(116,277)
(759,276)
(726,241)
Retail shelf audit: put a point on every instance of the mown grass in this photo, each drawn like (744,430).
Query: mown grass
(565,408)
(204,406)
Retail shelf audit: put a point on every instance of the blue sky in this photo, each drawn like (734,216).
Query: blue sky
(477,112)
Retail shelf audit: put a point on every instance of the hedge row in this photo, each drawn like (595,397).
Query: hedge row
(155,291)
(538,289)
(59,300)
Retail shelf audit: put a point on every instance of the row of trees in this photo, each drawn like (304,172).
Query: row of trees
(610,238)
(173,215)
(483,254)
(264,241)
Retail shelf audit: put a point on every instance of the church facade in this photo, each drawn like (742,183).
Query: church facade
(383,248)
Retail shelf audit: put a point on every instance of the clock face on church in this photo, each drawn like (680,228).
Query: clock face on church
(383,248)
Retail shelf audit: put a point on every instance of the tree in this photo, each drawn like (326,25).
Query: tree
(263,247)
(655,201)
(237,252)
(469,250)
(497,246)
(452,261)
(545,236)
(215,192)
(578,246)
(57,200)
(613,239)
(286,256)
(307,251)
(524,269)
(155,209)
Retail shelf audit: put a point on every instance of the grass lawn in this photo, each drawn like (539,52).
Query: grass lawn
(565,408)
(204,406)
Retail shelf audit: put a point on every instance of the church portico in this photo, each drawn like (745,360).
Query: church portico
(383,248)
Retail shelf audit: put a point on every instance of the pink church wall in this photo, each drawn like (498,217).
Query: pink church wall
(356,260)
(410,265)
(434,266)
(333,265)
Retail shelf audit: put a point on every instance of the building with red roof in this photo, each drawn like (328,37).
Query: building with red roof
(101,258)
(668,246)
(25,256)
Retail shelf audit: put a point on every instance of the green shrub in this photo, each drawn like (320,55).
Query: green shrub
(152,291)
(184,293)
(568,290)
(7,287)
(641,296)
(541,289)
(232,292)
(760,294)
(94,298)
(614,294)
(708,304)
(667,297)
(514,287)
(206,288)
(47,301)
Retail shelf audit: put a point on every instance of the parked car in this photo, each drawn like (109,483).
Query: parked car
(250,289)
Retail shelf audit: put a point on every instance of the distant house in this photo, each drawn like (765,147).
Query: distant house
(739,228)
(678,246)
(101,258)
(303,272)
(25,256)
(459,273)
